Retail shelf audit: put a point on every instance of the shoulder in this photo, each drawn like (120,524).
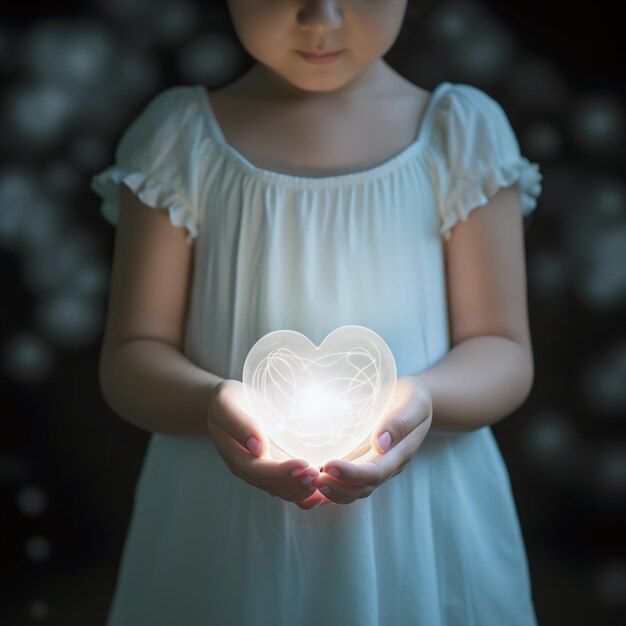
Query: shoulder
(463,100)
(173,102)
(465,104)
(167,118)
(468,122)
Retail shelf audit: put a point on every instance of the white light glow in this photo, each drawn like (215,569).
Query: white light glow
(314,403)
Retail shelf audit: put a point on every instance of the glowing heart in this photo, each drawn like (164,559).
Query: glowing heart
(320,403)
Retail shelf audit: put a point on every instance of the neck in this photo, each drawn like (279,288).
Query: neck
(267,84)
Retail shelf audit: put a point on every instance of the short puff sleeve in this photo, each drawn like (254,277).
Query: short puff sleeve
(475,153)
(155,158)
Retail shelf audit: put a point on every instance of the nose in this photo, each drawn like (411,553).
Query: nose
(320,15)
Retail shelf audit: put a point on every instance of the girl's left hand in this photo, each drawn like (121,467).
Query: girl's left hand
(408,422)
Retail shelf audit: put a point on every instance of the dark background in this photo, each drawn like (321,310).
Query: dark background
(60,550)
(584,40)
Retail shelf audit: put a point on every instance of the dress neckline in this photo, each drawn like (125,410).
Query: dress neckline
(325,181)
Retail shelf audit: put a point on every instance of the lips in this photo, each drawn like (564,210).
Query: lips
(323,54)
(317,58)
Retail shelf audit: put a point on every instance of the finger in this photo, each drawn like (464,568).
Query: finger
(262,472)
(293,473)
(293,491)
(412,412)
(374,472)
(408,446)
(227,413)
(266,472)
(344,490)
(339,492)
(356,479)
(302,493)
(366,473)
(316,499)
(345,493)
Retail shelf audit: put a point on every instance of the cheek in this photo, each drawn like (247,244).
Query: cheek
(378,22)
(389,25)
(260,25)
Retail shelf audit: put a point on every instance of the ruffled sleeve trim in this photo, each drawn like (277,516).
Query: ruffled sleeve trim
(150,192)
(476,153)
(155,158)
(472,194)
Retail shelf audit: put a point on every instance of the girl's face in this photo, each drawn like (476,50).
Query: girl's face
(273,31)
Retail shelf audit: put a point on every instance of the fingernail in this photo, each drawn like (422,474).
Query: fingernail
(297,471)
(325,489)
(253,445)
(384,441)
(333,472)
(308,479)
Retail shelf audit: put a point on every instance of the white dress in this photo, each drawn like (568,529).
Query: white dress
(439,544)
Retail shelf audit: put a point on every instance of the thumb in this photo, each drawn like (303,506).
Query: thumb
(231,412)
(385,433)
(384,439)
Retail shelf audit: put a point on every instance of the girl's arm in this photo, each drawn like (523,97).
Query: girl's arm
(489,371)
(154,386)
(479,382)
(143,374)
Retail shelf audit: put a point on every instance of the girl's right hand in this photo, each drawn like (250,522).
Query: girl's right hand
(231,428)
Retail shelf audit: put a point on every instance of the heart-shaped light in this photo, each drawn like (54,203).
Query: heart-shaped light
(319,404)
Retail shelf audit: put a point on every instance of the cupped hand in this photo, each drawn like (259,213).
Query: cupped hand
(407,422)
(232,429)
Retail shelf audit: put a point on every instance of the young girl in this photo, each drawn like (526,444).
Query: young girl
(308,195)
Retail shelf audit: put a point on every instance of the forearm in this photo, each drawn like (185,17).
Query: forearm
(479,382)
(155,387)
